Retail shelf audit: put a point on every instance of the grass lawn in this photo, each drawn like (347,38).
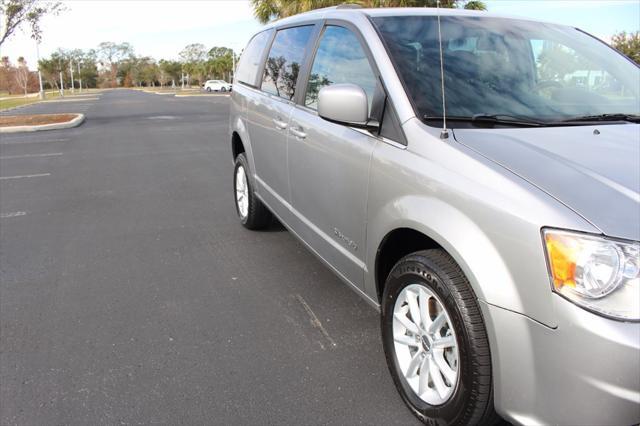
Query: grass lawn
(14,102)
(19,100)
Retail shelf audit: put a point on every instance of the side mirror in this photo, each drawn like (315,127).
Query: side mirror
(344,104)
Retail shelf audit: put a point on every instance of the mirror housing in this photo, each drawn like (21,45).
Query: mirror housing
(344,104)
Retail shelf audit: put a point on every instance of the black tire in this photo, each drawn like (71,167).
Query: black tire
(224,89)
(471,403)
(258,216)
(209,89)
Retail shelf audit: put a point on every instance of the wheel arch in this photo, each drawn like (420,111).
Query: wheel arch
(393,247)
(240,138)
(237,146)
(418,223)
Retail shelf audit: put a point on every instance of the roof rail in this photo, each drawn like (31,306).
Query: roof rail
(348,6)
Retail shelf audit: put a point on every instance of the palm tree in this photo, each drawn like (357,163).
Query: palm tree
(475,5)
(267,10)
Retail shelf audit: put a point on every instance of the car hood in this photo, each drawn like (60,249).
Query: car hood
(594,170)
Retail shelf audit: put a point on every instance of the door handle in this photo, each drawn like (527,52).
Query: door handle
(279,123)
(297,132)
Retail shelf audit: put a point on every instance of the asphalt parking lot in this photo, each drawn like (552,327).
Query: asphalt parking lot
(130,294)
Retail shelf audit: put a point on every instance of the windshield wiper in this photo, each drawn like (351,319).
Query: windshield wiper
(511,120)
(605,117)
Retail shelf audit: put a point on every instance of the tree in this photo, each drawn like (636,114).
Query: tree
(147,71)
(110,55)
(219,52)
(22,74)
(49,69)
(192,57)
(629,44)
(110,52)
(475,5)
(169,70)
(7,72)
(220,63)
(16,12)
(86,60)
(267,10)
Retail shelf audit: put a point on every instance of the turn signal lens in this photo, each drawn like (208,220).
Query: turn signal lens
(597,273)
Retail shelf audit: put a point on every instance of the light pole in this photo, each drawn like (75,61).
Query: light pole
(73,88)
(61,80)
(79,77)
(41,94)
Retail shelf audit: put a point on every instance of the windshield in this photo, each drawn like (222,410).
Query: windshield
(506,67)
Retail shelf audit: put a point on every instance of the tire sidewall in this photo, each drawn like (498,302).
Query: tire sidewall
(420,272)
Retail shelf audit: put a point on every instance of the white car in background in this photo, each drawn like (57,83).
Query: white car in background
(217,86)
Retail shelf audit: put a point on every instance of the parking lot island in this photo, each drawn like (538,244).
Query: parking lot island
(37,122)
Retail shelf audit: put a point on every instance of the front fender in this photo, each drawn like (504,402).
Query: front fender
(484,216)
(461,237)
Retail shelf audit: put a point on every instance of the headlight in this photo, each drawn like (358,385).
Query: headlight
(597,273)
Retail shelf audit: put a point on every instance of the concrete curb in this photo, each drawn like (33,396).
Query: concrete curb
(78,120)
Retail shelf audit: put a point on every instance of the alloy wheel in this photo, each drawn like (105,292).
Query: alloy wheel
(425,344)
(242,192)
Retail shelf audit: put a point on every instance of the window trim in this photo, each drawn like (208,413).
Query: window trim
(314,34)
(301,95)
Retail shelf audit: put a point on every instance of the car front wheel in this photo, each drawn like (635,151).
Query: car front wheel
(224,89)
(435,341)
(209,89)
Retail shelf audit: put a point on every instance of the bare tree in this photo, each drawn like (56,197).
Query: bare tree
(111,55)
(16,12)
(192,57)
(22,75)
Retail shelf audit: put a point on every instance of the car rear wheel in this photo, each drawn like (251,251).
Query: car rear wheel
(435,341)
(252,212)
(209,89)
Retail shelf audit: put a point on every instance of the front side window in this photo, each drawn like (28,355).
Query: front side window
(285,59)
(249,63)
(506,67)
(340,59)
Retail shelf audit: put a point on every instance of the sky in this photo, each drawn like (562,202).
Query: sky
(161,29)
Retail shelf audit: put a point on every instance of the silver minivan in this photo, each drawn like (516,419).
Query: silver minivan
(477,179)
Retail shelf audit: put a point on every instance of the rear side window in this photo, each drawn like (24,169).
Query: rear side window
(249,63)
(284,61)
(340,59)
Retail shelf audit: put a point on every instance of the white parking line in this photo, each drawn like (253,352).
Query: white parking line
(24,176)
(26,141)
(12,214)
(8,157)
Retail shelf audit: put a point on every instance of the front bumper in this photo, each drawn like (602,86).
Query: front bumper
(584,372)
